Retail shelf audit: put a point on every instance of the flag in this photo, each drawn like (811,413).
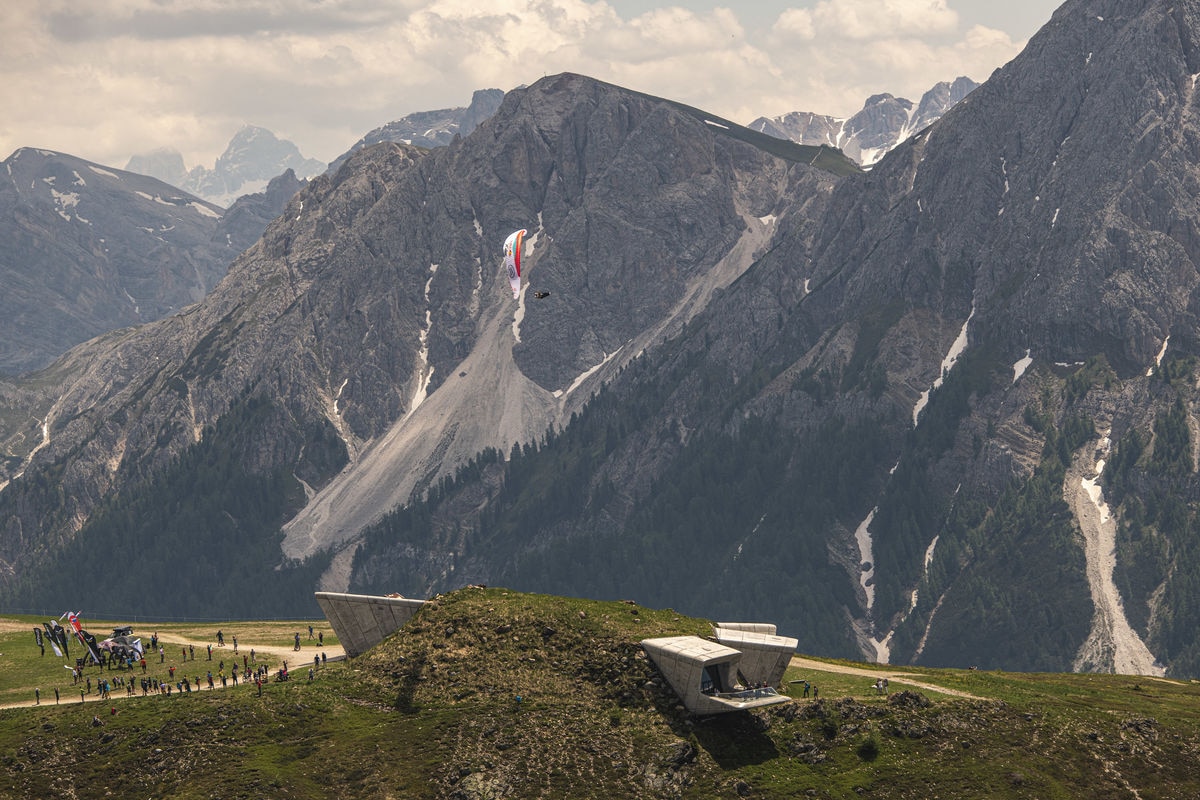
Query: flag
(54,643)
(89,641)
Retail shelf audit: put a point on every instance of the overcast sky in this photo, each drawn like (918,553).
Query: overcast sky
(104,79)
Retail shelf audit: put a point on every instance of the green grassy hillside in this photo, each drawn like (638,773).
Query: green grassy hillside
(434,712)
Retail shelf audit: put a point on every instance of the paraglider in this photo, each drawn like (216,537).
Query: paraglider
(512,260)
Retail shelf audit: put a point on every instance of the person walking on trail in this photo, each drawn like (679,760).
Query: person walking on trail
(297,647)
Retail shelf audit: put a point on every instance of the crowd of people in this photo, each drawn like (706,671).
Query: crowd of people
(150,674)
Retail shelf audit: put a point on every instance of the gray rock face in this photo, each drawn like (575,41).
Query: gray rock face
(244,222)
(884,122)
(88,249)
(375,304)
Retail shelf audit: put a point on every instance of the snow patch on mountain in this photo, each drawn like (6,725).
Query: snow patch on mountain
(425,371)
(1021,365)
(956,350)
(1162,351)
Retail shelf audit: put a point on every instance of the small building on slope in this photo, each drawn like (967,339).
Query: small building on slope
(743,669)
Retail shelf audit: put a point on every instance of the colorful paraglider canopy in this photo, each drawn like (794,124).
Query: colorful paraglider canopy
(512,260)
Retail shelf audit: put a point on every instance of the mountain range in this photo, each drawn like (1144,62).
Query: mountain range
(883,123)
(937,413)
(255,155)
(252,158)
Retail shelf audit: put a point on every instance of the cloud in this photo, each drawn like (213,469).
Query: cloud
(841,51)
(109,78)
(869,19)
(150,20)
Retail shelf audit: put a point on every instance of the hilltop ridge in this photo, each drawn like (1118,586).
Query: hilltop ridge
(492,693)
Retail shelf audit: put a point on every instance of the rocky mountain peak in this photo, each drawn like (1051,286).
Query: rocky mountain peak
(431,128)
(883,123)
(252,158)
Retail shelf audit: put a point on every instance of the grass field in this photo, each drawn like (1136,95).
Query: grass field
(431,713)
(23,669)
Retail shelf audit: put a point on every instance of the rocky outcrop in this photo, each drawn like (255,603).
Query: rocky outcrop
(243,223)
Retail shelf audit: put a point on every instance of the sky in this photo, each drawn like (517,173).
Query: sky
(107,79)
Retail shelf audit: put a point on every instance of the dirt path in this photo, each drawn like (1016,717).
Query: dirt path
(904,677)
(294,658)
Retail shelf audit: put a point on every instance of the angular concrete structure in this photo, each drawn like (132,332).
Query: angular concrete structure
(362,621)
(765,657)
(750,627)
(707,675)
